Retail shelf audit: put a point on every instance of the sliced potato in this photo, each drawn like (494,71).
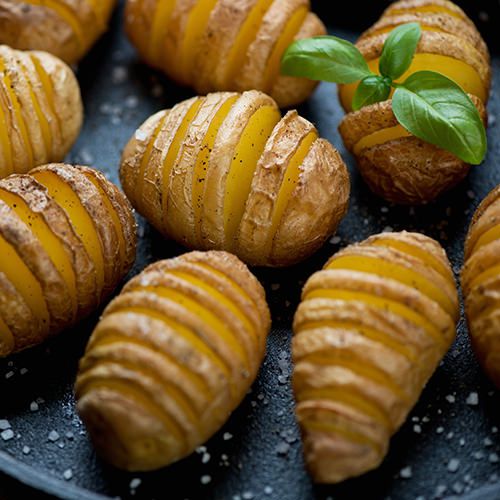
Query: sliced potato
(171,358)
(224,44)
(226,172)
(481,284)
(65,28)
(371,329)
(67,238)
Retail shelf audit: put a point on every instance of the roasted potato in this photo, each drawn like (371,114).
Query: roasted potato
(217,45)
(171,358)
(67,238)
(226,172)
(65,28)
(481,284)
(395,164)
(370,331)
(40,110)
(398,166)
(450,45)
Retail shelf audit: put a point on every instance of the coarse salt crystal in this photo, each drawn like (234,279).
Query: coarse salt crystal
(205,479)
(68,474)
(472,399)
(406,472)
(453,465)
(4,424)
(7,435)
(53,436)
(227,436)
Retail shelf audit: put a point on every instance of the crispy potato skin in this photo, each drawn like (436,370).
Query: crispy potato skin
(482,254)
(211,65)
(170,360)
(67,279)
(406,170)
(41,110)
(367,338)
(276,228)
(67,30)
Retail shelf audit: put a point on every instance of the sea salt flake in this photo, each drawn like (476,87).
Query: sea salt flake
(9,374)
(53,436)
(26,450)
(135,483)
(406,472)
(34,406)
(4,424)
(268,490)
(493,458)
(7,435)
(205,479)
(205,458)
(68,474)
(453,465)
(450,398)
(227,436)
(417,429)
(472,399)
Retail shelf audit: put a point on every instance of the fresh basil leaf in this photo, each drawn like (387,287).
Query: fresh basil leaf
(372,89)
(399,50)
(437,110)
(325,58)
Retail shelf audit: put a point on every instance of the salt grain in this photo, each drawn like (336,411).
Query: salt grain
(26,450)
(53,436)
(450,398)
(227,436)
(205,458)
(417,429)
(205,479)
(135,483)
(34,406)
(9,374)
(68,474)
(7,435)
(487,442)
(406,473)
(140,135)
(472,399)
(268,490)
(453,465)
(247,495)
(493,458)
(335,240)
(4,424)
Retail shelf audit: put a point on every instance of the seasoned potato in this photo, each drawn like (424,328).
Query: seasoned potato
(40,110)
(481,284)
(214,45)
(65,28)
(226,172)
(67,238)
(395,164)
(450,45)
(398,166)
(171,358)
(370,331)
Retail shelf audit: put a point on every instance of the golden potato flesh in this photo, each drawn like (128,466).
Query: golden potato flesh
(395,164)
(371,329)
(450,45)
(214,45)
(65,28)
(171,358)
(67,238)
(481,284)
(226,172)
(40,110)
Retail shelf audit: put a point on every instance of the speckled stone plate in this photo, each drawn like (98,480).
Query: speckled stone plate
(450,444)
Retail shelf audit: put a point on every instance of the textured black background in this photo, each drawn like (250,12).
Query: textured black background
(263,458)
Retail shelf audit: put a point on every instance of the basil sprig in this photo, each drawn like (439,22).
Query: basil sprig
(427,104)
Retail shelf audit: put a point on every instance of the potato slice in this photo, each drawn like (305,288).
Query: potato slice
(366,341)
(171,358)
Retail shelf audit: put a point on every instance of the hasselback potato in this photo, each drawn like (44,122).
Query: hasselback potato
(481,284)
(397,165)
(370,331)
(67,238)
(40,110)
(65,28)
(171,358)
(226,172)
(214,45)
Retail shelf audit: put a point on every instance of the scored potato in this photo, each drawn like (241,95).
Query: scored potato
(65,28)
(226,172)
(67,238)
(173,355)
(450,45)
(481,284)
(224,44)
(395,164)
(40,110)
(371,329)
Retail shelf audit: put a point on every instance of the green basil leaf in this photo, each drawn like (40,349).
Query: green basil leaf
(399,50)
(325,58)
(437,110)
(372,89)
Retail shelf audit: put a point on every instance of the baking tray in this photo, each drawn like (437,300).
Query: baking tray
(257,454)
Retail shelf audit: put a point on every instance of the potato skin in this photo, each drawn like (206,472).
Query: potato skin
(69,36)
(366,340)
(481,294)
(207,68)
(158,379)
(405,170)
(312,209)
(64,307)
(40,110)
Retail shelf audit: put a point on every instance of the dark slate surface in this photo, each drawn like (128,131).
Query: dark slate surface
(258,453)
